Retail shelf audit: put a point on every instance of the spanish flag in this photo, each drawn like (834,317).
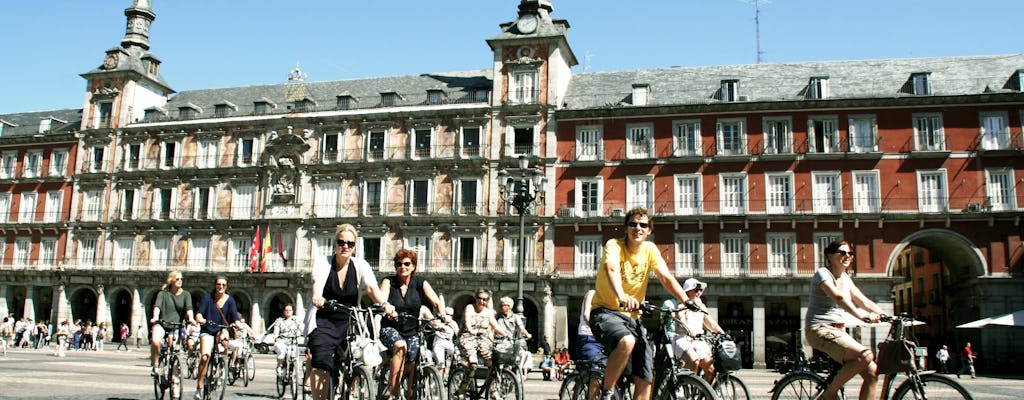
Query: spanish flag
(254,252)
(266,250)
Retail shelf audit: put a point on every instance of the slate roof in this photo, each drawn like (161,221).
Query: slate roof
(949,76)
(366,93)
(20,125)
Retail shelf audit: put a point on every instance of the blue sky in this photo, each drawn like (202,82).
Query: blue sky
(227,43)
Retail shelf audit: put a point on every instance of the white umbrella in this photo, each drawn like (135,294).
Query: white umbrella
(1015,318)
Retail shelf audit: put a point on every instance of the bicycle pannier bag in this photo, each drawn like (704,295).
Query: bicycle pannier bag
(895,356)
(727,356)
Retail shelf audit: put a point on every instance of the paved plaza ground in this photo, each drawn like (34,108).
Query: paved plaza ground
(108,375)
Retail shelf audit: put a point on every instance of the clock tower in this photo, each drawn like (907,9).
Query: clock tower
(127,82)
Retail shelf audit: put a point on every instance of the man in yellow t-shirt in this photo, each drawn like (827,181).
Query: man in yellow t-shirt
(622,280)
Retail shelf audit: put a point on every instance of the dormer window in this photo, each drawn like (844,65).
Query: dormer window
(304,105)
(44,125)
(223,109)
(730,90)
(818,88)
(262,107)
(1020,80)
(344,102)
(434,96)
(480,95)
(641,92)
(151,114)
(188,111)
(920,84)
(388,99)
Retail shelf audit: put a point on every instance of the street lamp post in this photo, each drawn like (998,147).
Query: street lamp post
(520,189)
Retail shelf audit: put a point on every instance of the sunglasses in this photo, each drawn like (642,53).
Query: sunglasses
(844,253)
(403,264)
(634,224)
(699,290)
(220,284)
(346,243)
(483,298)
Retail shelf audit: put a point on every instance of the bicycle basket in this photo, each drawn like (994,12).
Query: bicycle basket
(727,356)
(506,352)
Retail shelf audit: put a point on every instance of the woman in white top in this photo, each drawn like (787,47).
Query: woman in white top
(479,321)
(689,343)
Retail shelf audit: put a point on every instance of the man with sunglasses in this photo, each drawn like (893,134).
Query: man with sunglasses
(626,266)
(833,295)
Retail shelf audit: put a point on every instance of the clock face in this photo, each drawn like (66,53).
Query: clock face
(527,23)
(110,62)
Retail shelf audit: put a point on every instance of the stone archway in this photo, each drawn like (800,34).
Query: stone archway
(121,311)
(953,248)
(275,306)
(83,304)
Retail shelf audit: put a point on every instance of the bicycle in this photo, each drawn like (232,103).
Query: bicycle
(583,381)
(727,385)
(355,380)
(168,378)
(192,358)
(216,369)
(502,382)
(289,376)
(426,380)
(803,383)
(244,365)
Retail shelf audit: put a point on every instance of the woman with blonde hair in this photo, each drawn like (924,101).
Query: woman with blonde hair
(173,304)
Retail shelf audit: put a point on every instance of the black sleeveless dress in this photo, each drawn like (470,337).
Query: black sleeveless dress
(332,327)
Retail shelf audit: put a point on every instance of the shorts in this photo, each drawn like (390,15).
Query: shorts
(611,326)
(389,336)
(473,345)
(683,343)
(588,348)
(831,340)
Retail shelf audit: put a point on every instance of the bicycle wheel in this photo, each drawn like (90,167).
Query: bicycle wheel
(565,390)
(175,378)
(685,386)
(296,380)
(192,365)
(429,385)
(160,380)
(798,386)
(221,386)
(505,386)
(232,369)
(250,366)
(729,387)
(456,378)
(282,379)
(361,385)
(932,386)
(587,385)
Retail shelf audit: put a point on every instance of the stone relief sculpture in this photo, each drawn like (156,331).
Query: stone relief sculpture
(285,176)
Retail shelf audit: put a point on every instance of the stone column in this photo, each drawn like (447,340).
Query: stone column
(256,320)
(711,302)
(102,308)
(63,307)
(757,337)
(299,308)
(30,305)
(805,301)
(4,310)
(139,320)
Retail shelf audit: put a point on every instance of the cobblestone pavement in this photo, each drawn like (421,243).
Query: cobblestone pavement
(108,375)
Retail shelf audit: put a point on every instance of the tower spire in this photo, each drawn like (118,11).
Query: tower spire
(140,16)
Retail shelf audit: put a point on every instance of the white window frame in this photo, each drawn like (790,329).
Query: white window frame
(994,129)
(821,241)
(416,209)
(238,254)
(734,254)
(863,133)
(160,253)
(243,201)
(59,162)
(5,207)
(740,127)
(641,94)
(474,147)
(211,202)
(589,140)
(867,191)
(124,249)
(829,140)
(174,159)
(686,139)
(328,196)
(779,192)
(921,85)
(418,153)
(133,162)
(689,254)
(422,245)
(9,163)
(778,135)
(54,205)
(733,202)
(818,88)
(525,86)
(251,160)
(589,207)
(689,189)
(640,192)
(461,207)
(932,199)
(1000,189)
(827,197)
(97,159)
(132,213)
(328,155)
(640,140)
(377,207)
(159,199)
(730,90)
(514,132)
(87,252)
(22,251)
(47,252)
(929,133)
(207,153)
(462,264)
(33,164)
(373,153)
(92,207)
(780,248)
(28,206)
(199,249)
(587,251)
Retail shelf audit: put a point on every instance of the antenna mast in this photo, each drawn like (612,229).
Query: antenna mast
(757,29)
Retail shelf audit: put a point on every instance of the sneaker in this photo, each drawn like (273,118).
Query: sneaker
(607,395)
(154,371)
(199,395)
(279,371)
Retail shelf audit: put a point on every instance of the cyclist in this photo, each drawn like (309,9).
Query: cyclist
(478,318)
(408,293)
(341,277)
(239,331)
(220,308)
(688,343)
(513,322)
(285,327)
(833,294)
(587,346)
(446,329)
(626,266)
(173,305)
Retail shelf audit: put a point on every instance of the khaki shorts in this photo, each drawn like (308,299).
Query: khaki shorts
(832,340)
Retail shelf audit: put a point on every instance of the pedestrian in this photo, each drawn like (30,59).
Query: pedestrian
(122,337)
(943,356)
(545,345)
(967,361)
(627,264)
(138,336)
(6,334)
(62,334)
(101,335)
